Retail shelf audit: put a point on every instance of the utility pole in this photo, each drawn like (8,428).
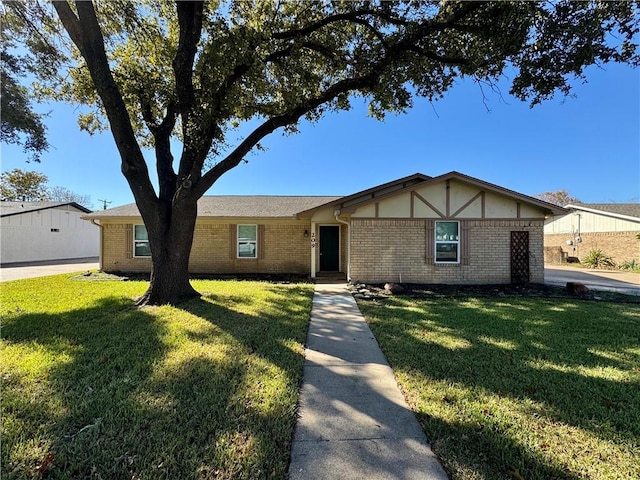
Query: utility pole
(104,203)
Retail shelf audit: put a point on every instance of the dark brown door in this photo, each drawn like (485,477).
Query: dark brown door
(520,257)
(329,248)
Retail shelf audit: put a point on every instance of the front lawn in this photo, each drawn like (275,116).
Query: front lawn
(519,388)
(95,388)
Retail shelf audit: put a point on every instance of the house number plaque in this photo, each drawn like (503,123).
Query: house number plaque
(313,240)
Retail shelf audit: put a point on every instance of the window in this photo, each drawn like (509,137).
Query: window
(447,242)
(247,241)
(141,246)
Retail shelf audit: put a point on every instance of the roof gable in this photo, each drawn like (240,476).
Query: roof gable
(548,208)
(8,209)
(371,194)
(618,210)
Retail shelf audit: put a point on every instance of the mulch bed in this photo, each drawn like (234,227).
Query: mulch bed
(377,292)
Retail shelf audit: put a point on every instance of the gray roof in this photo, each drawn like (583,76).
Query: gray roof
(16,208)
(628,209)
(250,206)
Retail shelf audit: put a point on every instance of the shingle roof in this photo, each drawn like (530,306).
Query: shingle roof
(15,208)
(250,206)
(628,209)
(370,193)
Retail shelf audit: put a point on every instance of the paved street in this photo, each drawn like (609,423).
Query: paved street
(609,280)
(43,269)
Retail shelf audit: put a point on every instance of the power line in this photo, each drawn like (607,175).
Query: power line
(104,203)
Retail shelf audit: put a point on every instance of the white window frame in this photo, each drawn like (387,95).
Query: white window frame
(446,242)
(140,241)
(248,242)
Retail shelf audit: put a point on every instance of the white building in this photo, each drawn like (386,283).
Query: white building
(610,227)
(46,231)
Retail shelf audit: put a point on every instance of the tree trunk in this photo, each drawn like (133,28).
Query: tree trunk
(170,238)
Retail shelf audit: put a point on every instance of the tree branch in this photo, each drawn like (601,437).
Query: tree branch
(367,81)
(364,82)
(301,32)
(85,32)
(447,60)
(190,24)
(288,118)
(190,17)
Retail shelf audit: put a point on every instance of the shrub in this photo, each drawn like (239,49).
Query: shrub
(632,264)
(598,259)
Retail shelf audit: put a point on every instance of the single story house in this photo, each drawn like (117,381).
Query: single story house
(45,231)
(610,227)
(447,229)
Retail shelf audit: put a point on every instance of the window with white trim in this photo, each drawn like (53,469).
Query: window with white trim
(141,246)
(447,242)
(247,241)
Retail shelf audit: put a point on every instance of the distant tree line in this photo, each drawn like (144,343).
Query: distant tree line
(19,186)
(558,197)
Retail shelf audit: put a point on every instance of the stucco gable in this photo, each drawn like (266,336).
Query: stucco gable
(454,195)
(350,202)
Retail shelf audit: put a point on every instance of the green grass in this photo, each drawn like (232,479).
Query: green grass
(519,388)
(95,388)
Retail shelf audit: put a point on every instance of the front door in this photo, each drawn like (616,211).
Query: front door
(519,257)
(329,248)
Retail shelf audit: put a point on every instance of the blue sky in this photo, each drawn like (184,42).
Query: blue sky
(588,145)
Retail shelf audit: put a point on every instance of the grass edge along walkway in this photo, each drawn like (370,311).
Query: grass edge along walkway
(516,387)
(95,388)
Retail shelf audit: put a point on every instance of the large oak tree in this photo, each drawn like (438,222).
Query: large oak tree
(198,71)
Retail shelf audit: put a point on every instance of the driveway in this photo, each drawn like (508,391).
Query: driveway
(43,269)
(610,280)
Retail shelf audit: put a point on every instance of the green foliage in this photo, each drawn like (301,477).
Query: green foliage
(17,185)
(596,258)
(518,387)
(260,60)
(19,123)
(93,388)
(633,265)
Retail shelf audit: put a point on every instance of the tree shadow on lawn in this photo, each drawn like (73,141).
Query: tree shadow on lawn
(83,386)
(117,401)
(573,362)
(270,343)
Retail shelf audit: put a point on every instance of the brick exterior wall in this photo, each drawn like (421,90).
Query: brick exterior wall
(282,249)
(385,250)
(621,246)
(117,240)
(381,250)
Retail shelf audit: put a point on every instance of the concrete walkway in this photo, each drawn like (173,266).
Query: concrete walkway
(353,421)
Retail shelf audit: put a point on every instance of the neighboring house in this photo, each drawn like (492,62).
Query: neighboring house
(447,229)
(610,227)
(44,231)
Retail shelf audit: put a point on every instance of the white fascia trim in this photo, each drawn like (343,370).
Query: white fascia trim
(603,212)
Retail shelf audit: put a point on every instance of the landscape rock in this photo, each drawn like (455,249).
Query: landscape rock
(577,288)
(393,288)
